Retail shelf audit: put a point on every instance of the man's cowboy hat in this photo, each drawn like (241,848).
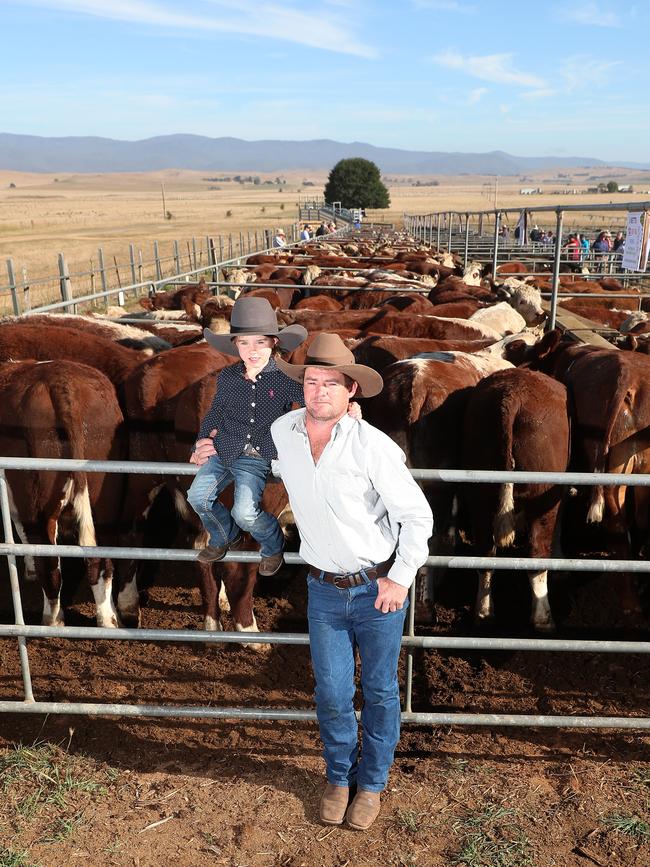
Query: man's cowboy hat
(328,350)
(279,231)
(255,316)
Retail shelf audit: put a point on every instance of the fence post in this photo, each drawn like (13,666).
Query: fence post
(555,279)
(134,278)
(466,238)
(495,255)
(140,266)
(12,287)
(230,245)
(27,299)
(102,272)
(438,227)
(451,226)
(241,244)
(64,282)
(220,249)
(156,258)
(195,266)
(15,587)
(177,258)
(249,241)
(480,226)
(257,243)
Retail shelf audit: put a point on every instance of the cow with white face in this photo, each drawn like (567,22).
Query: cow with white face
(524,298)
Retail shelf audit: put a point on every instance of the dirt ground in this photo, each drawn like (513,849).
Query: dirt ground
(144,792)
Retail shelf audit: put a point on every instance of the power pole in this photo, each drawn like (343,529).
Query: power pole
(496,192)
(162,190)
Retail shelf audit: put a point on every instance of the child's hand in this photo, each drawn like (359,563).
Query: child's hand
(354,410)
(204,450)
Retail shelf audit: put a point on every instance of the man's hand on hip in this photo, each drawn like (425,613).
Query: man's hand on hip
(391,595)
(204,450)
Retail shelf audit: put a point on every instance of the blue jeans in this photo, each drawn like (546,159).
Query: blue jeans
(249,475)
(339,622)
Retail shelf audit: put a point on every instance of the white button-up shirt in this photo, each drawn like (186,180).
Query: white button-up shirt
(358,504)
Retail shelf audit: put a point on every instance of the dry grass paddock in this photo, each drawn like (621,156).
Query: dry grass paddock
(44,214)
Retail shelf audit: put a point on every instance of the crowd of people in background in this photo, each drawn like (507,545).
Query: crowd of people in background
(577,246)
(306,234)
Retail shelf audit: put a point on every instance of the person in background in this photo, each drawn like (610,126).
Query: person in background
(322,230)
(619,242)
(364,526)
(331,227)
(305,235)
(280,239)
(585,246)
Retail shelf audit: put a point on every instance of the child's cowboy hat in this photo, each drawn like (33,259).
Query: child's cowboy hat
(255,316)
(328,350)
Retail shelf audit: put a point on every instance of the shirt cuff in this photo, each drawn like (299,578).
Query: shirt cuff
(275,468)
(402,574)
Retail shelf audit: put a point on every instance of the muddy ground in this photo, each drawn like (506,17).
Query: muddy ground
(146,792)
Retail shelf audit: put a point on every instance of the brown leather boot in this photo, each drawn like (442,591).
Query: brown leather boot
(270,565)
(212,553)
(363,810)
(333,804)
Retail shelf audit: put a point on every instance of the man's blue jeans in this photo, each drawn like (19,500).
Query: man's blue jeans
(249,475)
(339,622)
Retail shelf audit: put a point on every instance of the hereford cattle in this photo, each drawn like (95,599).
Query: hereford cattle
(18,341)
(501,317)
(378,351)
(125,335)
(177,299)
(457,309)
(63,410)
(515,420)
(323,303)
(609,393)
(421,408)
(524,298)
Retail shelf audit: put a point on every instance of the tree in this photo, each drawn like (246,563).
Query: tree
(356,183)
(612,187)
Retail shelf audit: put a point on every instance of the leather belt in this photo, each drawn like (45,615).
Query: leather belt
(346,580)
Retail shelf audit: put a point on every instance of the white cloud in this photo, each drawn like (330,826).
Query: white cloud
(476,95)
(444,6)
(592,14)
(580,73)
(489,67)
(255,18)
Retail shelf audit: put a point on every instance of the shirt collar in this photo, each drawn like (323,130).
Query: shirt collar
(341,425)
(269,367)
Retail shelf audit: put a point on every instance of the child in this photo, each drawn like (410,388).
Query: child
(234,443)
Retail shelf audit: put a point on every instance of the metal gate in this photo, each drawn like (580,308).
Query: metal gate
(10,549)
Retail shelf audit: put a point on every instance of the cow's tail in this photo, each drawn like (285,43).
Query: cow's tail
(596,510)
(504,520)
(75,491)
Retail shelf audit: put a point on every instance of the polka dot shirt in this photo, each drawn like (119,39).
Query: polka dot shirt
(244,410)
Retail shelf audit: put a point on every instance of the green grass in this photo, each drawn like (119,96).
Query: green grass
(490,838)
(632,826)
(12,858)
(44,791)
(409,820)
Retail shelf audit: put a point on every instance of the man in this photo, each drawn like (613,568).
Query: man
(322,230)
(280,239)
(364,525)
(305,235)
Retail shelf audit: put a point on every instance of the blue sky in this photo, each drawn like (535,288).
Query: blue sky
(530,78)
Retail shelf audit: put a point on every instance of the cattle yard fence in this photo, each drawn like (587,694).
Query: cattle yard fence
(135,274)
(465,232)
(411,641)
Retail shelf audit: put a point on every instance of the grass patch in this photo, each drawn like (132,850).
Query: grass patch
(490,838)
(44,792)
(409,820)
(12,858)
(631,826)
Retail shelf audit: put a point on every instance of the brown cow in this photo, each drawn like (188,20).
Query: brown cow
(609,434)
(63,410)
(515,419)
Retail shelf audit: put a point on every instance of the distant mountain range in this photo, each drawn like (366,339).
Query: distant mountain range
(28,153)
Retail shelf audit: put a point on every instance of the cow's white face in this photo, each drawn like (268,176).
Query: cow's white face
(527,301)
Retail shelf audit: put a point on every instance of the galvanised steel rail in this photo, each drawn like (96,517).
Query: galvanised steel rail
(22,632)
(422,226)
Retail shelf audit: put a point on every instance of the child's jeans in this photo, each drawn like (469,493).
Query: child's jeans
(249,475)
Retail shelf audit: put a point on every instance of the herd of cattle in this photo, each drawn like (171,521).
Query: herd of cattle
(471,381)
